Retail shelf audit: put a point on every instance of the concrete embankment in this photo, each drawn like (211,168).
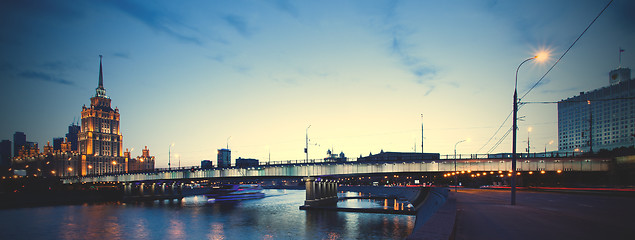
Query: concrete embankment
(436,208)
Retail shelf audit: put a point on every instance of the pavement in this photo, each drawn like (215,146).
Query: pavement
(487,214)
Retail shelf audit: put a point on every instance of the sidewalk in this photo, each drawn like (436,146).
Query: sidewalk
(487,214)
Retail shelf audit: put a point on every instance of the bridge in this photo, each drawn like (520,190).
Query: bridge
(321,168)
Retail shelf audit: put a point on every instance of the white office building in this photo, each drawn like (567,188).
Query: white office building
(600,119)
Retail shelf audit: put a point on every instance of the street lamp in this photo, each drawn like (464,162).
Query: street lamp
(306,149)
(550,142)
(455,176)
(514,128)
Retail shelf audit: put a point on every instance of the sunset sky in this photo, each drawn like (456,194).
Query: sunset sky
(255,74)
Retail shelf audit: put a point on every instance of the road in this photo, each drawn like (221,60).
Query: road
(487,214)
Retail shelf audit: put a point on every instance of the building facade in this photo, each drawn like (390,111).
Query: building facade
(603,118)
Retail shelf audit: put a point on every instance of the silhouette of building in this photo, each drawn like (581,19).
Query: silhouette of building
(207,164)
(5,153)
(603,118)
(57,144)
(72,136)
(100,140)
(19,140)
(224,158)
(334,157)
(246,162)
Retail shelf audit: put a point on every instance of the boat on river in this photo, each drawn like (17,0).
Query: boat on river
(233,192)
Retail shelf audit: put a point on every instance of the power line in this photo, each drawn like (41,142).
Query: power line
(565,52)
(540,80)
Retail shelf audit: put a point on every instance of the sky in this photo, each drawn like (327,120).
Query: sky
(194,76)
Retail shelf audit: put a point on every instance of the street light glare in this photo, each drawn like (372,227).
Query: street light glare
(542,55)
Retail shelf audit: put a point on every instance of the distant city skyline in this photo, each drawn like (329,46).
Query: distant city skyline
(361,73)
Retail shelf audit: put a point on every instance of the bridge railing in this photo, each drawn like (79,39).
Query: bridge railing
(509,155)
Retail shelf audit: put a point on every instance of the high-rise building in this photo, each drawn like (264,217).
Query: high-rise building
(603,118)
(100,134)
(72,136)
(224,158)
(19,140)
(5,153)
(100,141)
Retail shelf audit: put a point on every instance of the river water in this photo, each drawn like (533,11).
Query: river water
(274,217)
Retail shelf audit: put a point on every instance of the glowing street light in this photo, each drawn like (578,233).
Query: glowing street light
(455,177)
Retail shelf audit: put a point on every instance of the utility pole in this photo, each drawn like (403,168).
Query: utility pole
(590,126)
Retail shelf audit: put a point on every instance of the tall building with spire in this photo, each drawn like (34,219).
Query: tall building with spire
(100,139)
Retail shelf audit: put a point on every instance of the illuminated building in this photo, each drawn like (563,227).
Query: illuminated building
(100,141)
(48,149)
(603,118)
(141,163)
(224,158)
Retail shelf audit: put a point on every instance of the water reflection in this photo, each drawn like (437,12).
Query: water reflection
(274,217)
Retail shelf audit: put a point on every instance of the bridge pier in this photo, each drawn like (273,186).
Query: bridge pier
(127,189)
(141,190)
(152,189)
(162,189)
(320,191)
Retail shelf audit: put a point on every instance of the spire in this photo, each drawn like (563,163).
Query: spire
(100,91)
(101,73)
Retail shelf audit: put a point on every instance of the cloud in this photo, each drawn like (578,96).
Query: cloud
(157,20)
(65,11)
(419,68)
(239,24)
(287,6)
(121,55)
(217,58)
(44,77)
(544,82)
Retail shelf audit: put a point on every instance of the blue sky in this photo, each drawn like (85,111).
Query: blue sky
(361,73)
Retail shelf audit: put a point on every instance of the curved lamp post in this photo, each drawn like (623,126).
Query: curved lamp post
(514,128)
